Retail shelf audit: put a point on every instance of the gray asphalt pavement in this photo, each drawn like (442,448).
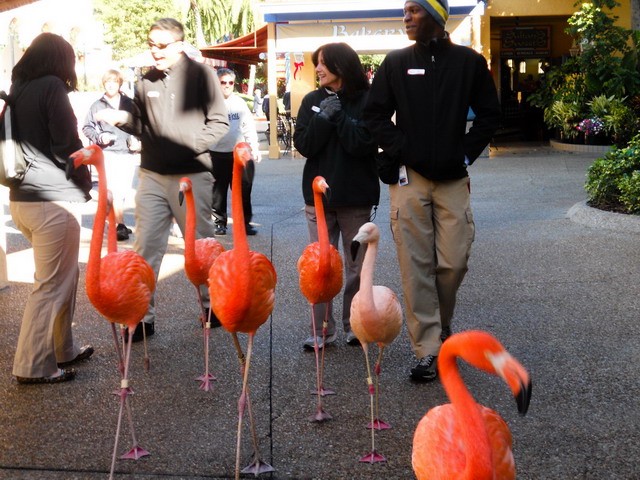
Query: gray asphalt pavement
(560,291)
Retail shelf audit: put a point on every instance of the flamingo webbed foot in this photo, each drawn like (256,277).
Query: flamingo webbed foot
(372,458)
(320,416)
(379,424)
(258,466)
(323,392)
(206,384)
(135,453)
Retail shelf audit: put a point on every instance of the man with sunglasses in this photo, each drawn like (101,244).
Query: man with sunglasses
(430,86)
(179,111)
(241,129)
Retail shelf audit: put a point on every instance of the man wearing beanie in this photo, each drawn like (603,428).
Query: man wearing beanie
(430,86)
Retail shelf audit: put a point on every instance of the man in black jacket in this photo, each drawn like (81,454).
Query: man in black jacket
(179,112)
(430,86)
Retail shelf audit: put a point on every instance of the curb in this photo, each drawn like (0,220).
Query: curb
(592,217)
(578,148)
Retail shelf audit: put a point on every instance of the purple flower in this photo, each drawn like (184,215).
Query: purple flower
(591,126)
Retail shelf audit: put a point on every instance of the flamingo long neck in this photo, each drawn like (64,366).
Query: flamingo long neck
(95,250)
(479,464)
(190,228)
(240,242)
(366,275)
(112,234)
(323,234)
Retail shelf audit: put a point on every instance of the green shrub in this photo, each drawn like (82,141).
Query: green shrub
(613,181)
(630,191)
(564,116)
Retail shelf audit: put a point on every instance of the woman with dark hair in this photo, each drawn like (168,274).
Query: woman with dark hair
(43,208)
(331,135)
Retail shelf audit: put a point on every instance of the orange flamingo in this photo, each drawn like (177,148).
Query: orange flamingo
(376,317)
(242,285)
(199,255)
(320,268)
(118,285)
(463,440)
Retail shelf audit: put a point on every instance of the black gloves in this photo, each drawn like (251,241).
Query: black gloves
(388,168)
(329,107)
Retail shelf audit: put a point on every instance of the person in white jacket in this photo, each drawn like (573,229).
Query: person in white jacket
(241,129)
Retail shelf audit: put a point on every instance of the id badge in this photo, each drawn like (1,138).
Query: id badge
(403,179)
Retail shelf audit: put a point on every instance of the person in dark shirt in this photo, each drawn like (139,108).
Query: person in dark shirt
(430,87)
(179,111)
(45,208)
(330,133)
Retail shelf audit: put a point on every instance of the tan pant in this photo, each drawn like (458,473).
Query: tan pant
(156,203)
(45,335)
(433,229)
(345,221)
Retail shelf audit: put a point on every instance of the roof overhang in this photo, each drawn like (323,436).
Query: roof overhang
(11,4)
(245,49)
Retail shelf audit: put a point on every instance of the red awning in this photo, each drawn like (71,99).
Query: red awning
(246,49)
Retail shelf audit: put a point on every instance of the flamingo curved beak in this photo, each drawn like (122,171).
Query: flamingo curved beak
(355,247)
(515,375)
(523,398)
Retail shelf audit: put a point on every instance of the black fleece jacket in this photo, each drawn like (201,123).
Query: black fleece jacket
(178,114)
(430,87)
(341,150)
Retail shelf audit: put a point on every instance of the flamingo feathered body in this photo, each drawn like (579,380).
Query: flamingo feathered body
(320,269)
(464,440)
(242,289)
(376,317)
(199,255)
(119,285)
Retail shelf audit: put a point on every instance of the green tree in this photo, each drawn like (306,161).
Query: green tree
(127,23)
(206,21)
(608,60)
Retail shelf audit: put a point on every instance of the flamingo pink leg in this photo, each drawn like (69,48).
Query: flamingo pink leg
(136,451)
(257,465)
(320,414)
(207,377)
(377,423)
(373,456)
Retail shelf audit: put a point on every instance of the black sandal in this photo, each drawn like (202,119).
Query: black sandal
(64,375)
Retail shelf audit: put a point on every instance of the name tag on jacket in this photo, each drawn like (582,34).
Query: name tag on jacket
(153,94)
(416,71)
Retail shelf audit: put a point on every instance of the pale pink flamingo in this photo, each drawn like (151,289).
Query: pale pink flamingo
(376,317)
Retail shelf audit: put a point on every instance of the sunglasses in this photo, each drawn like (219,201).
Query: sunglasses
(224,82)
(160,46)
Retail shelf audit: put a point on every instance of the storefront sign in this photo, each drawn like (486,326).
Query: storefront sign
(525,42)
(370,36)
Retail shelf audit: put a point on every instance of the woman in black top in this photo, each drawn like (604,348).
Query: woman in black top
(331,135)
(43,205)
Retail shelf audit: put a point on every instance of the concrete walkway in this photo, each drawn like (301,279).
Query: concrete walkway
(561,295)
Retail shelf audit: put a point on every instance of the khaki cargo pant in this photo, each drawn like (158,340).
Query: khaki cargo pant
(433,228)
